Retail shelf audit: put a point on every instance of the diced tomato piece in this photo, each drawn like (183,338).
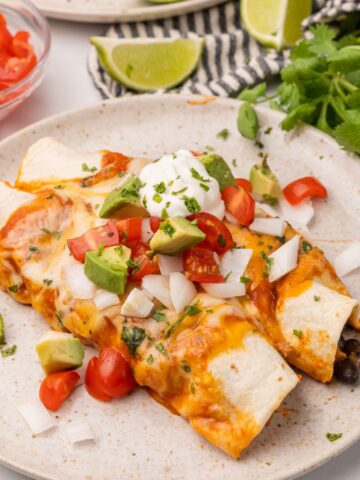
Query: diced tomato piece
(129,229)
(5,35)
(20,45)
(114,373)
(201,266)
(92,382)
(303,188)
(107,235)
(239,203)
(218,236)
(155,224)
(56,388)
(143,265)
(244,183)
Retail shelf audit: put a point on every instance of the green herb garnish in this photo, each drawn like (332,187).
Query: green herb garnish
(134,265)
(157,198)
(160,187)
(245,279)
(167,228)
(224,134)
(86,168)
(34,249)
(14,288)
(306,246)
(157,315)
(160,348)
(47,282)
(195,174)
(191,204)
(298,333)
(316,298)
(133,337)
(8,351)
(179,191)
(332,437)
(150,359)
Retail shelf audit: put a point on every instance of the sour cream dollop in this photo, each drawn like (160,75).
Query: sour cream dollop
(178,184)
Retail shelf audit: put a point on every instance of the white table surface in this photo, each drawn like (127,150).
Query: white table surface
(67,85)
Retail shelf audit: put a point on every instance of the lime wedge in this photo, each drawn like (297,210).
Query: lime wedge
(276,23)
(145,64)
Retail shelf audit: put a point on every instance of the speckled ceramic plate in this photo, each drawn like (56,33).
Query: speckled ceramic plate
(109,11)
(135,437)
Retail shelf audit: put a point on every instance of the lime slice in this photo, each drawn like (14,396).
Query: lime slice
(276,23)
(144,64)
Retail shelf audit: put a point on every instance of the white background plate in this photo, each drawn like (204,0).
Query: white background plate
(108,11)
(136,437)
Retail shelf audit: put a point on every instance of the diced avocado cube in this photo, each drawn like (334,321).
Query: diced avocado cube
(108,268)
(264,182)
(218,169)
(60,352)
(175,235)
(124,201)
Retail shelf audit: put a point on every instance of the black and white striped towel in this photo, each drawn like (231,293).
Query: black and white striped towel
(231,59)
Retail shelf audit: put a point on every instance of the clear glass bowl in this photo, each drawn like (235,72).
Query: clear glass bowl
(22,15)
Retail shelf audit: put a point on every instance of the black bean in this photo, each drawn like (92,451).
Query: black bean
(346,371)
(351,346)
(341,343)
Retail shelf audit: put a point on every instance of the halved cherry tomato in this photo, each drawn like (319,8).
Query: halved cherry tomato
(107,235)
(239,203)
(302,188)
(56,388)
(114,373)
(245,184)
(155,224)
(92,381)
(129,229)
(143,264)
(200,266)
(218,236)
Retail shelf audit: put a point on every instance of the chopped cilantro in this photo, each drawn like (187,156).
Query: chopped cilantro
(50,197)
(179,191)
(86,168)
(59,187)
(192,388)
(281,239)
(224,134)
(186,368)
(59,318)
(157,198)
(150,359)
(204,187)
(269,199)
(46,231)
(191,204)
(234,162)
(167,228)
(133,337)
(298,333)
(316,298)
(259,144)
(134,265)
(2,330)
(268,263)
(227,276)
(192,310)
(160,187)
(47,282)
(306,246)
(160,348)
(195,174)
(14,288)
(267,131)
(145,201)
(245,279)
(157,315)
(8,351)
(332,437)
(34,249)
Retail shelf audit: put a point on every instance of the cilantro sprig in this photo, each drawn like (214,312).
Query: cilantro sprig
(320,86)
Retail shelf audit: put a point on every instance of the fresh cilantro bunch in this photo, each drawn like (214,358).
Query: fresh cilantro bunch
(320,86)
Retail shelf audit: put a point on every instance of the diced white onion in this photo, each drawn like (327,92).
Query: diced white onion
(269,226)
(148,294)
(348,260)
(224,290)
(182,291)
(234,263)
(78,283)
(159,286)
(146,232)
(284,259)
(296,215)
(170,264)
(36,416)
(104,299)
(264,207)
(79,432)
(231,219)
(137,304)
